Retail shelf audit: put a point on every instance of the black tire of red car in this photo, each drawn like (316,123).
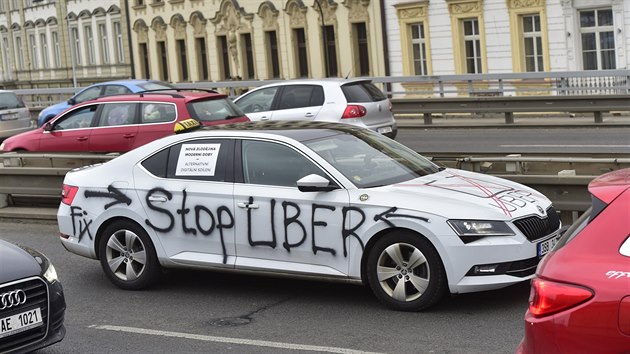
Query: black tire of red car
(128,257)
(405,272)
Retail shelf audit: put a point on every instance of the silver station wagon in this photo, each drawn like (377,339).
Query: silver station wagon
(15,117)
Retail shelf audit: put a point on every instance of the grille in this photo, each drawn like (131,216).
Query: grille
(535,227)
(36,296)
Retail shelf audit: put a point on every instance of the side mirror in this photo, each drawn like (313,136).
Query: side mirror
(48,126)
(72,101)
(315,183)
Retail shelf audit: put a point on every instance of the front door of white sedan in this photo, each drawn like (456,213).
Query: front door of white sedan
(280,228)
(186,192)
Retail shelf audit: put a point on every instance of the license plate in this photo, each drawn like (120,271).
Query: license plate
(10,116)
(384,130)
(20,322)
(545,246)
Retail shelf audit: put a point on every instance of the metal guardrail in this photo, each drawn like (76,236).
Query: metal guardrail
(36,176)
(508,105)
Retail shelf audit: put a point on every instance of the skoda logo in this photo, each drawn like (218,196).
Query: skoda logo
(12,299)
(540,210)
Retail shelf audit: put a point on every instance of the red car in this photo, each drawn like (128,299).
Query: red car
(580,300)
(124,122)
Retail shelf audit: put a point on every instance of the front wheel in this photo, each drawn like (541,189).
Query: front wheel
(128,257)
(405,272)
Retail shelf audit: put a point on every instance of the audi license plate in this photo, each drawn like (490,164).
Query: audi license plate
(20,322)
(545,246)
(384,130)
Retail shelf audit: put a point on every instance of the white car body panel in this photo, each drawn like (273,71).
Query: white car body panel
(328,242)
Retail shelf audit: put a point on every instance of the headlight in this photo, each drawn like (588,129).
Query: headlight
(480,228)
(2,147)
(51,274)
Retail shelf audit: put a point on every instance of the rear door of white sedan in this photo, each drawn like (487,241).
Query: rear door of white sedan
(280,228)
(186,192)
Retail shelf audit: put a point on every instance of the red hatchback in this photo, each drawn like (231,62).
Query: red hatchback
(580,300)
(124,122)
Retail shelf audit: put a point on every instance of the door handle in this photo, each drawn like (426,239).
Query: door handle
(309,115)
(158,199)
(264,118)
(129,136)
(247,205)
(82,138)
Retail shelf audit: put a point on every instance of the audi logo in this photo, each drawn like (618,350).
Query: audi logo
(12,298)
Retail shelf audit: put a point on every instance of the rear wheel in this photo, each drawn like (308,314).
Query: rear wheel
(405,272)
(128,257)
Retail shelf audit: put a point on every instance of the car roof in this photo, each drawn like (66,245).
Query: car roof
(326,81)
(297,130)
(160,95)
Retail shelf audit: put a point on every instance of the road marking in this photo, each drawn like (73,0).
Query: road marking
(253,342)
(597,146)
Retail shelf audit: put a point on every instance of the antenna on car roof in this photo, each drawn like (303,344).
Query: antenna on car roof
(348,75)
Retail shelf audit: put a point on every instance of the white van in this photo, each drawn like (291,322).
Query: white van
(15,118)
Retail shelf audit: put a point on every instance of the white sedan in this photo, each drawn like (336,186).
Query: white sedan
(305,199)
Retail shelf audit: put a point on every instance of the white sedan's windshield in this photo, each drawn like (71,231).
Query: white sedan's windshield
(370,159)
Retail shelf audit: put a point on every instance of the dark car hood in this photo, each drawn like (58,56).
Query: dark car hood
(16,263)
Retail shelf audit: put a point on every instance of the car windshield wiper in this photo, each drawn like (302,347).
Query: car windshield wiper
(232,117)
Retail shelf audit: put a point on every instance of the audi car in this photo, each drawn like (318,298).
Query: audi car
(305,199)
(580,299)
(32,303)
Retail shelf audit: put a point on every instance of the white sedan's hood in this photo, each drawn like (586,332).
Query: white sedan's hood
(457,194)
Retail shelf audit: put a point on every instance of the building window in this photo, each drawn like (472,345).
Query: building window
(120,48)
(273,58)
(246,40)
(89,45)
(362,59)
(202,58)
(102,33)
(144,60)
(301,55)
(19,52)
(472,46)
(183,61)
(532,43)
(331,51)
(163,62)
(77,45)
(418,49)
(43,41)
(33,44)
(6,56)
(56,49)
(224,57)
(598,39)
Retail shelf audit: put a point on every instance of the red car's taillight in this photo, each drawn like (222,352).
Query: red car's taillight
(67,194)
(549,297)
(354,111)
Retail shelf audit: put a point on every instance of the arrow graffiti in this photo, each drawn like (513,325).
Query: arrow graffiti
(114,193)
(389,213)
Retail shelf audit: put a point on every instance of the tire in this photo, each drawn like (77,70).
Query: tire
(405,272)
(128,257)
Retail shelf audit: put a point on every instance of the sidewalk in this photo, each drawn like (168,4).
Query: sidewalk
(520,121)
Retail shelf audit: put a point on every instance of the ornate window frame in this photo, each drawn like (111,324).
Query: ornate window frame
(517,9)
(410,14)
(460,10)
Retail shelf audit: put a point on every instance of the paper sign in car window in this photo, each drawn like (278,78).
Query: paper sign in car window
(197,160)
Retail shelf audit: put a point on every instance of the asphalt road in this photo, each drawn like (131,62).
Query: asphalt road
(554,140)
(194,311)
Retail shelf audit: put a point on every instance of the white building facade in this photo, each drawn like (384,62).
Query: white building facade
(446,37)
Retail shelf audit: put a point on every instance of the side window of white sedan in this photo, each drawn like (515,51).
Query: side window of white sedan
(200,160)
(257,101)
(275,164)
